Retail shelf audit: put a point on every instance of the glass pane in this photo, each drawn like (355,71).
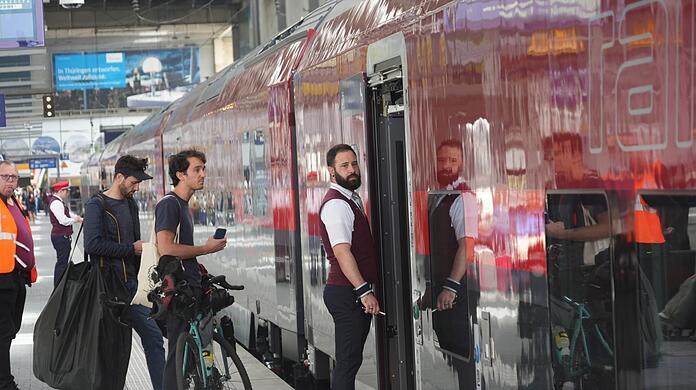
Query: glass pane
(665,234)
(259,177)
(447,231)
(580,286)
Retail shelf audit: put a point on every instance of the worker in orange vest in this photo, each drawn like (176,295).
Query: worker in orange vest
(647,227)
(17,267)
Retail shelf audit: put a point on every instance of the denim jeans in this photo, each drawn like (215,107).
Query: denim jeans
(150,336)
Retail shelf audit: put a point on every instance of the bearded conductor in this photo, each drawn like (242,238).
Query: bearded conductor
(349,294)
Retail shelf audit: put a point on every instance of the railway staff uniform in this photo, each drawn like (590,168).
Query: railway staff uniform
(453,220)
(343,221)
(16,268)
(62,220)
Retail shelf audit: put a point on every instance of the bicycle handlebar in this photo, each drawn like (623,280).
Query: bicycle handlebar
(220,281)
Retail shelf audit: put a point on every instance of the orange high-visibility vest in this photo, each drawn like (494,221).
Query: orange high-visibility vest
(646,222)
(8,237)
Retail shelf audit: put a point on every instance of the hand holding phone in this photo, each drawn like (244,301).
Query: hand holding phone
(220,233)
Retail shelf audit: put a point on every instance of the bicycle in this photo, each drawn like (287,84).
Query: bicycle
(205,360)
(576,364)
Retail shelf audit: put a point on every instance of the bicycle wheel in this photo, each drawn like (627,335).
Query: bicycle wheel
(228,370)
(188,364)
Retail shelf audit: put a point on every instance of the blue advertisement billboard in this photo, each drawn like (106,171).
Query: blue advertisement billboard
(133,79)
(89,71)
(21,24)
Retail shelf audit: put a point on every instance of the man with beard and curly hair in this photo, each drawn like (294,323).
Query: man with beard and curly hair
(453,225)
(349,294)
(112,235)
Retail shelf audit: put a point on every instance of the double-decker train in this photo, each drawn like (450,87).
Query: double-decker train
(569,123)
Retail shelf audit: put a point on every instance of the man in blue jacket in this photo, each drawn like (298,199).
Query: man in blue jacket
(112,234)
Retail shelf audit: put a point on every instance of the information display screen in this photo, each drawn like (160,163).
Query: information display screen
(21,24)
(134,78)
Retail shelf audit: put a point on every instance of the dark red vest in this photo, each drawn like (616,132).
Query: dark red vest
(362,245)
(58,229)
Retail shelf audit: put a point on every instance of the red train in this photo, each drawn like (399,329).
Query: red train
(560,133)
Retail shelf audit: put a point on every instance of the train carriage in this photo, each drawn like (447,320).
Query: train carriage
(556,136)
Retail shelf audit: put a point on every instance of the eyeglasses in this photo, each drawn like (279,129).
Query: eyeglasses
(9,178)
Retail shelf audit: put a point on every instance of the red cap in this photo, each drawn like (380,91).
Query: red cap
(60,185)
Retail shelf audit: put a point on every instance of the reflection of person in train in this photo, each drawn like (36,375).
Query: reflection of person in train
(577,224)
(578,238)
(453,229)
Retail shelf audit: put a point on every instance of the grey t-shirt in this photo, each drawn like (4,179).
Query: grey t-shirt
(172,212)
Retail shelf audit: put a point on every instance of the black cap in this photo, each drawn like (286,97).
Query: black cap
(138,174)
(132,166)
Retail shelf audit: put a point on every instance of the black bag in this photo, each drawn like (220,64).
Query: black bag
(80,340)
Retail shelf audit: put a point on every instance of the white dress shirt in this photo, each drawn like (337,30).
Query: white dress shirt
(338,217)
(58,210)
(464,216)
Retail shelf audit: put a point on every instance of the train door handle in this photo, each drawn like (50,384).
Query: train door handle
(418,318)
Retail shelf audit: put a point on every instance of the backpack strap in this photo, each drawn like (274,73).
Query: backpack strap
(153,234)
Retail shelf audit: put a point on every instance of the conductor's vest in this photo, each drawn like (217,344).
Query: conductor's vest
(8,235)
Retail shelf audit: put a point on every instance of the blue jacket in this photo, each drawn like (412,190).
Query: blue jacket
(102,240)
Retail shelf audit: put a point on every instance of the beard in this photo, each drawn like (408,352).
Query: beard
(351,182)
(446,177)
(124,191)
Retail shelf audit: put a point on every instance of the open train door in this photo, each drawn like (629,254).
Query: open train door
(418,347)
(392,222)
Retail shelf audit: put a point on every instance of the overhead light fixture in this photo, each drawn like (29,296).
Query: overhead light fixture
(154,33)
(148,40)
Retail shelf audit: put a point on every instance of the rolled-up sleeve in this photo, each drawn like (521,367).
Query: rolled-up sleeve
(338,218)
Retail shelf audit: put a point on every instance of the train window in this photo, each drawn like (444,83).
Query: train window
(254,173)
(665,238)
(578,242)
(450,216)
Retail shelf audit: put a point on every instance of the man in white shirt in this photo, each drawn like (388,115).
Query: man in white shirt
(351,251)
(463,219)
(62,220)
(453,229)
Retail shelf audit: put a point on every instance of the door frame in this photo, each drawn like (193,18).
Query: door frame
(384,59)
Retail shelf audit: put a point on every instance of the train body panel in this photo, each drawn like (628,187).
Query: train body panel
(578,114)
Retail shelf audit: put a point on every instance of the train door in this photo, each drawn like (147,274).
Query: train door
(392,225)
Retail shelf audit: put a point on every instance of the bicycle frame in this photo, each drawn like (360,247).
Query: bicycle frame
(195,333)
(579,334)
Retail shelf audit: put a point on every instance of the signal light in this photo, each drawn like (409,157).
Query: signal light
(49,106)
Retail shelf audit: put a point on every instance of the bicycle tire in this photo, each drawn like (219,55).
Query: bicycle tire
(183,381)
(231,353)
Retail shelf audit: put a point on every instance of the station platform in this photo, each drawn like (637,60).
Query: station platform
(138,379)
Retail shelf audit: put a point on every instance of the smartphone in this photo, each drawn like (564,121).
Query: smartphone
(220,233)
